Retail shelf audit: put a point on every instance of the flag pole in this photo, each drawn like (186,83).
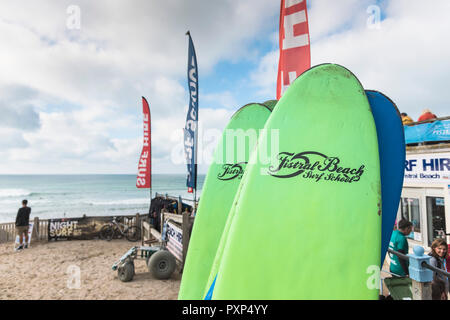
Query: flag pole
(195,190)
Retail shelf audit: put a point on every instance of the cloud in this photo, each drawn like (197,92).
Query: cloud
(19,116)
(405,58)
(86,112)
(16,108)
(327,17)
(70,99)
(11,138)
(265,76)
(224,99)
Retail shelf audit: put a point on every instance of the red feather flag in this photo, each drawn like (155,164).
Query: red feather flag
(144,178)
(295,54)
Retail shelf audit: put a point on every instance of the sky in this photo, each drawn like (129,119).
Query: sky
(72,73)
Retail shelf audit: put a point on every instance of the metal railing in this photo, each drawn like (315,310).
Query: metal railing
(427,121)
(424,264)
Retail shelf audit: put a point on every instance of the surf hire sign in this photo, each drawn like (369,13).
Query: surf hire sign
(295,53)
(432,168)
(143,180)
(191,127)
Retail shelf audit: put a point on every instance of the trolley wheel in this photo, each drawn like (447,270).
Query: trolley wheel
(126,272)
(107,232)
(133,234)
(162,264)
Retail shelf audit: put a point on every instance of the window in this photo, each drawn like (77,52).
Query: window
(436,218)
(411,212)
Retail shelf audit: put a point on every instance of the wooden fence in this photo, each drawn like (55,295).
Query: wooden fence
(185,222)
(40,228)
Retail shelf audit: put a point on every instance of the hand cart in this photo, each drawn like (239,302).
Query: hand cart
(160,262)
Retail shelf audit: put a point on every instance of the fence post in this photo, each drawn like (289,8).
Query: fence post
(161,222)
(186,235)
(35,234)
(420,276)
(180,205)
(138,220)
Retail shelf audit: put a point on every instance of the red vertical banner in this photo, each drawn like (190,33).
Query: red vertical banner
(295,54)
(144,178)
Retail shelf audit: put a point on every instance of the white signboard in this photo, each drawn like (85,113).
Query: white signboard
(175,242)
(428,168)
(30,231)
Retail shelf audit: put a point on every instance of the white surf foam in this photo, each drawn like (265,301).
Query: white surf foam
(139,201)
(6,193)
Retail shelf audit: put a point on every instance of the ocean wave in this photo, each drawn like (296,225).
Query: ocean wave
(139,201)
(37,194)
(6,193)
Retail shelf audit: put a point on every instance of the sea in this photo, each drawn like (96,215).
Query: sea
(59,196)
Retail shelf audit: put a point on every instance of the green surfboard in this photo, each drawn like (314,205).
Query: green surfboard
(271,104)
(212,277)
(221,183)
(308,226)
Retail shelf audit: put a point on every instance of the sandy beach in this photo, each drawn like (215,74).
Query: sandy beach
(43,272)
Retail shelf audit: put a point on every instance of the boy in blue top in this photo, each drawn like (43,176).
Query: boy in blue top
(400,243)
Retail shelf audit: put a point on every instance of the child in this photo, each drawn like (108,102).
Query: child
(438,255)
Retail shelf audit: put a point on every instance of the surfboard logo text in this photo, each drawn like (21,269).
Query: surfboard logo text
(316,166)
(232,171)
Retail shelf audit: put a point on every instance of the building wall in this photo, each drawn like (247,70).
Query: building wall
(427,184)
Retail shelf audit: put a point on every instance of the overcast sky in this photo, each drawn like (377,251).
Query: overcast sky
(70,98)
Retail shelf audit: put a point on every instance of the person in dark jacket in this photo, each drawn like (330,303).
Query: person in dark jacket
(22,222)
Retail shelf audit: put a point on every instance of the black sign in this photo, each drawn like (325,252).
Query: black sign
(232,171)
(315,166)
(73,228)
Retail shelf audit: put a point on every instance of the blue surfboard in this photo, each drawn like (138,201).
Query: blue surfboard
(392,151)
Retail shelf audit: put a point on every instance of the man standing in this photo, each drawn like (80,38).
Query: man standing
(399,243)
(22,222)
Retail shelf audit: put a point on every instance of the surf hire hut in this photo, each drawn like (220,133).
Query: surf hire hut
(426,189)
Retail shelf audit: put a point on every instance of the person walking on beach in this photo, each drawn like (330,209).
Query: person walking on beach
(399,243)
(438,255)
(22,222)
